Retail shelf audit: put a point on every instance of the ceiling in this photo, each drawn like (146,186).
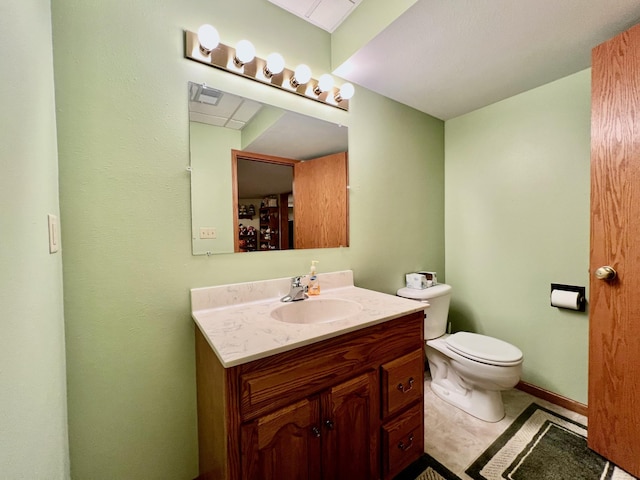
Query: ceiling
(283,134)
(288,134)
(257,180)
(449,57)
(326,14)
(220,109)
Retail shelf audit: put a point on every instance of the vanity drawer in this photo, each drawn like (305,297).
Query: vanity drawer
(281,379)
(402,441)
(402,382)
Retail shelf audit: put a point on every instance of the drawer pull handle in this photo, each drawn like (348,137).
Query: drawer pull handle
(406,447)
(328,424)
(315,431)
(402,388)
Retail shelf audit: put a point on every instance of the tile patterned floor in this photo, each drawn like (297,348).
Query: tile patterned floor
(456,439)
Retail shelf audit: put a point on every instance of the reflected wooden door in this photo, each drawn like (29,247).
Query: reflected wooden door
(321,202)
(614,320)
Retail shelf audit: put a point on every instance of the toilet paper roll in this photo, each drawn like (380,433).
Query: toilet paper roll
(565,299)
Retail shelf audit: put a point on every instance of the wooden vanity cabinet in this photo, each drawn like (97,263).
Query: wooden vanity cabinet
(316,412)
(327,436)
(271,442)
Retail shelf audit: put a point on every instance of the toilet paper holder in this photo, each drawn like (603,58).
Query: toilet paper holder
(580,299)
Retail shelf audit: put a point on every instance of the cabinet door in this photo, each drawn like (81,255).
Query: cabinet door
(284,444)
(350,413)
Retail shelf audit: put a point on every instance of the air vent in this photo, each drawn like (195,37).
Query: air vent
(204,94)
(220,109)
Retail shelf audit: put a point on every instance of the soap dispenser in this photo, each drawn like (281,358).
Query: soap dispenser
(314,283)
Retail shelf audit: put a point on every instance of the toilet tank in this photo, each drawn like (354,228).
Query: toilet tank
(435,316)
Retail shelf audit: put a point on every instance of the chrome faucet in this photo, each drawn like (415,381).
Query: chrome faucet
(297,292)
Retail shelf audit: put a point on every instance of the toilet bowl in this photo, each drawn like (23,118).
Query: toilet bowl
(468,370)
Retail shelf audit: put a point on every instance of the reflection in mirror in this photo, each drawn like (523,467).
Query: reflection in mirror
(253,184)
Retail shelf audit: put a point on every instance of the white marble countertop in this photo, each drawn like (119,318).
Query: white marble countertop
(235,319)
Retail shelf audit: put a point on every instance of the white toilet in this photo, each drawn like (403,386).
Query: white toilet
(468,370)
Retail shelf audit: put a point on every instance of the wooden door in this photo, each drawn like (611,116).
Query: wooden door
(320,202)
(350,430)
(257,159)
(283,444)
(614,331)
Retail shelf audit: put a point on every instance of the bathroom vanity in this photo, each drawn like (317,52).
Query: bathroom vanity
(323,399)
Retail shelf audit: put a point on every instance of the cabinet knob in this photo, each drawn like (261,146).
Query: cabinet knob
(329,424)
(315,431)
(404,389)
(406,447)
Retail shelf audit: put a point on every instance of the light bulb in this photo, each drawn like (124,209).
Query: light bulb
(275,65)
(325,83)
(208,37)
(345,93)
(245,52)
(301,75)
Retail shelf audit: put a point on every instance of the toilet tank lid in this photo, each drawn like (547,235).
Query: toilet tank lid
(484,348)
(426,293)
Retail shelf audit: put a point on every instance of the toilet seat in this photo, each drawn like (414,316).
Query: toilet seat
(484,349)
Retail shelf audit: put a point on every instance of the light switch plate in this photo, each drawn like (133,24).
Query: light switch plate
(54,234)
(208,233)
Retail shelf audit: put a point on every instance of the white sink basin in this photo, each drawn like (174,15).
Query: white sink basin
(316,310)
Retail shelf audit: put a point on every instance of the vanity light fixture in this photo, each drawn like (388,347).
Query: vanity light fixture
(208,38)
(205,47)
(274,65)
(301,76)
(345,93)
(245,52)
(325,83)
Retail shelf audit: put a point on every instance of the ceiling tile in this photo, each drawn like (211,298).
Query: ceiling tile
(326,14)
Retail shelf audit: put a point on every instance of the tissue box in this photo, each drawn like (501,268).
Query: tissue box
(431,277)
(416,280)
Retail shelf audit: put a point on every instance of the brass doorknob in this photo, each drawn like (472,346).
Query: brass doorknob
(605,273)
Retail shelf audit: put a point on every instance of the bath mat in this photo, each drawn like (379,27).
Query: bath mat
(543,445)
(426,468)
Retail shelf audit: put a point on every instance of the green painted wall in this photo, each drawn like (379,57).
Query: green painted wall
(212,203)
(517,185)
(260,123)
(517,219)
(33,410)
(123,133)
(368,20)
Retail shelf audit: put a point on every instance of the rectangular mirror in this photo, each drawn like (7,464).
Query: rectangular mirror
(264,178)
